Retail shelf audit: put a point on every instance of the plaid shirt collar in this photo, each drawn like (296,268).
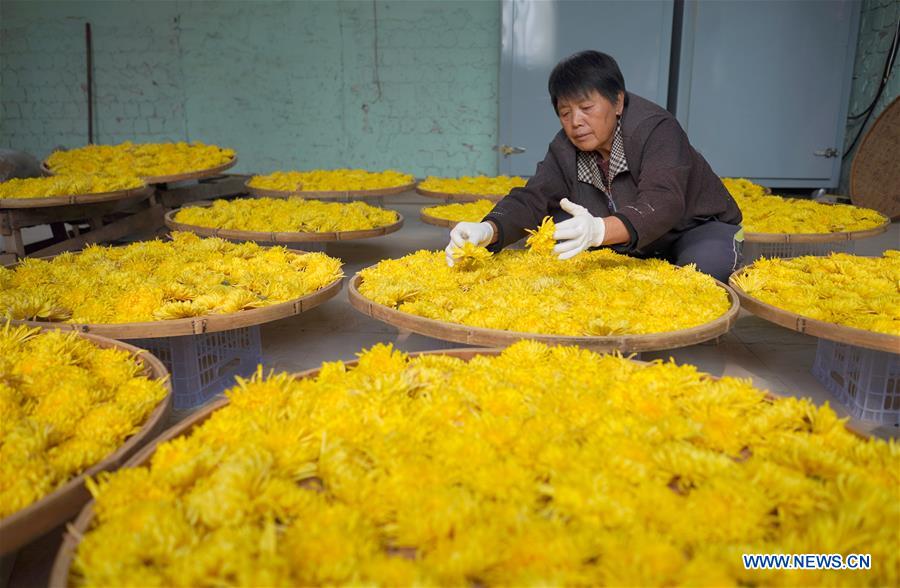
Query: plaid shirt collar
(589,171)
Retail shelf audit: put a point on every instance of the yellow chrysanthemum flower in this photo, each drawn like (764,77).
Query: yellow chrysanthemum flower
(67,186)
(160,280)
(335,180)
(471,212)
(479,185)
(139,159)
(60,409)
(767,213)
(294,215)
(540,466)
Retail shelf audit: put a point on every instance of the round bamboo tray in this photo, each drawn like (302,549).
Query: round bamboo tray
(208,323)
(23,526)
(438,222)
(281,237)
(813,327)
(62,565)
(451,197)
(74,199)
(328,194)
(191,175)
(470,335)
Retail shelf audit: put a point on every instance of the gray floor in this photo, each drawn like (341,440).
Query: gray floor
(776,359)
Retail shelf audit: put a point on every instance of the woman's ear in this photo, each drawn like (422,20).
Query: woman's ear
(620,103)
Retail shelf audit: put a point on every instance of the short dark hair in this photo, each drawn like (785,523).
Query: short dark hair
(578,74)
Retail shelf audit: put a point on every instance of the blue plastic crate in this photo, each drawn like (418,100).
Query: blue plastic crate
(203,366)
(866,381)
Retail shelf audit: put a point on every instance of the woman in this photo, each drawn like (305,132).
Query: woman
(622,174)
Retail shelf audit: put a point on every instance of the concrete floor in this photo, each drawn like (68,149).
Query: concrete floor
(776,359)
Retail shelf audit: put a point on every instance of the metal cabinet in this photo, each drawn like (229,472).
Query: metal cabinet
(538,33)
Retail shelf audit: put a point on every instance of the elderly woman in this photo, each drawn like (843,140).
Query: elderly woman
(622,174)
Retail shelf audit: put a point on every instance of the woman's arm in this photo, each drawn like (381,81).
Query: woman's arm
(525,208)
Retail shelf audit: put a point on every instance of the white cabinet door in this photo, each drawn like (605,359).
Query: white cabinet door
(537,34)
(764,87)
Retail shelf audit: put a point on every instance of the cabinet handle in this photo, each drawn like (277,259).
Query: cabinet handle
(830,152)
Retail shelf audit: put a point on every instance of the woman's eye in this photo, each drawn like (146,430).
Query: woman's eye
(587,106)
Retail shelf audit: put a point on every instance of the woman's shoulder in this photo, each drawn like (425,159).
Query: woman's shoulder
(642,116)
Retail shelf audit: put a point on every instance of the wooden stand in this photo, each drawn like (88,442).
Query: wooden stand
(103,215)
(470,335)
(23,526)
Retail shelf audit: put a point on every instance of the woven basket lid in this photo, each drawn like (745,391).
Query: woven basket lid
(875,173)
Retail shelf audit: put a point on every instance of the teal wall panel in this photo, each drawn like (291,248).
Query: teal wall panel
(287,84)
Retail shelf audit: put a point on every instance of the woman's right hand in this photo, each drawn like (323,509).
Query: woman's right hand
(479,234)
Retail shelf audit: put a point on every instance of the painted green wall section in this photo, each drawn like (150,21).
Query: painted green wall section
(289,85)
(877,22)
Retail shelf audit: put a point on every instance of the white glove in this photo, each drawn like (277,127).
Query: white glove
(576,234)
(479,234)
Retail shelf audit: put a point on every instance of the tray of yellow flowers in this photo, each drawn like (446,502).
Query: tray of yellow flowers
(155,163)
(285,220)
(73,405)
(70,190)
(186,286)
(526,466)
(851,304)
(841,297)
(599,300)
(330,184)
(447,215)
(469,188)
(775,226)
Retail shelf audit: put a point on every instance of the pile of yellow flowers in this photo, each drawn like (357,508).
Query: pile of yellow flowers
(543,466)
(66,186)
(860,292)
(334,180)
(481,185)
(65,405)
(766,213)
(294,215)
(140,159)
(159,280)
(471,212)
(596,293)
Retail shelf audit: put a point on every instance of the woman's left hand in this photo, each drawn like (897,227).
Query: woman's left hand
(578,233)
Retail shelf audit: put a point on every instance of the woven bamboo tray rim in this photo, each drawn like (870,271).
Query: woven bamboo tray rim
(326,194)
(816,328)
(208,323)
(281,236)
(25,525)
(191,175)
(59,577)
(470,335)
(77,199)
(438,222)
(464,197)
(835,237)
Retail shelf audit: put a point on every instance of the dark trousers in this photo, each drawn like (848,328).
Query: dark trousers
(711,246)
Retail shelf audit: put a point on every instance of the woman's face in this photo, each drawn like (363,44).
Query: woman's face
(590,121)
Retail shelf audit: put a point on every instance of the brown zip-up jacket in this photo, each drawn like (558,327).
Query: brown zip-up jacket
(668,188)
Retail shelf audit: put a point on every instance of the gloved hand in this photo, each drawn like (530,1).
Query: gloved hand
(576,234)
(476,233)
